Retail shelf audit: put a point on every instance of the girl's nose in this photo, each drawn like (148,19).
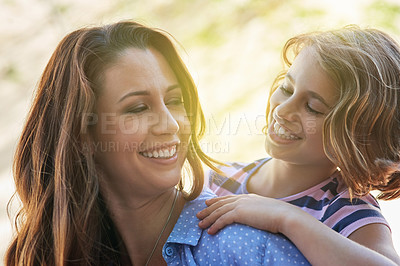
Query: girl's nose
(286,111)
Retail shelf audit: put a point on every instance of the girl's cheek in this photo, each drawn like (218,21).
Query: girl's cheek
(311,126)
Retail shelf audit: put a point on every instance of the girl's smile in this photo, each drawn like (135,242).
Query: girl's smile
(298,110)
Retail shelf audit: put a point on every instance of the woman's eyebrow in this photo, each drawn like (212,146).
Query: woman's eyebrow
(133,93)
(145,92)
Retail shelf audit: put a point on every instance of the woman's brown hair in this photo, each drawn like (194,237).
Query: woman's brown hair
(361,132)
(63,219)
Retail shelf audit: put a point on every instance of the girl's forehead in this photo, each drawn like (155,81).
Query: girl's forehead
(307,75)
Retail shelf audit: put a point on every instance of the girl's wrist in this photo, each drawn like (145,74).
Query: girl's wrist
(292,221)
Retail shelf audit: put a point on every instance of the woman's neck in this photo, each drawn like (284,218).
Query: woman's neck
(140,225)
(279,179)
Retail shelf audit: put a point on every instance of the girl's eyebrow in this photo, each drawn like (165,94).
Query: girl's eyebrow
(312,94)
(318,97)
(144,92)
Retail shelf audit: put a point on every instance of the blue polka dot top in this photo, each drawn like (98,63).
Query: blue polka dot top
(236,244)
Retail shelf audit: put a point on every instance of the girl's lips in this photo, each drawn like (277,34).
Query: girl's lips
(283,132)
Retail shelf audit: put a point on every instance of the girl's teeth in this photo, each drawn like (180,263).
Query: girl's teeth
(282,133)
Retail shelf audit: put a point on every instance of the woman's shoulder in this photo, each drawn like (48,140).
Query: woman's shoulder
(242,244)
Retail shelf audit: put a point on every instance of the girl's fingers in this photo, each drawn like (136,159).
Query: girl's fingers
(214,215)
(206,212)
(212,201)
(221,222)
(213,204)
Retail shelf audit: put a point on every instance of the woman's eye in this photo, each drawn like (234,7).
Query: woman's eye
(137,109)
(285,91)
(311,110)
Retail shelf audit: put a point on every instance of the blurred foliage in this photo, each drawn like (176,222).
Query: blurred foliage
(60,9)
(11,73)
(386,14)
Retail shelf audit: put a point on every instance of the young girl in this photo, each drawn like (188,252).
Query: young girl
(333,123)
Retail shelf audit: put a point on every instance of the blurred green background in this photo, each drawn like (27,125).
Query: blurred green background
(232,49)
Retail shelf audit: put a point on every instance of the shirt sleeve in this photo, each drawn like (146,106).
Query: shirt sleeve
(345,216)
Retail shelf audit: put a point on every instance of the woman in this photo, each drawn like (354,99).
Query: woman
(98,167)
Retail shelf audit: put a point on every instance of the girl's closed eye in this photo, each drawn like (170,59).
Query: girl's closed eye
(311,110)
(288,92)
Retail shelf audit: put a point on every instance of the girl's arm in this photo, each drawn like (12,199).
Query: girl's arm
(369,245)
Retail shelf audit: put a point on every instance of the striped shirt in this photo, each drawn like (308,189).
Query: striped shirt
(328,201)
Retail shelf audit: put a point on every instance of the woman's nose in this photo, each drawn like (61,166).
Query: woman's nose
(164,122)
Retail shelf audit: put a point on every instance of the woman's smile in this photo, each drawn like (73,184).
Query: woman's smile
(144,94)
(160,153)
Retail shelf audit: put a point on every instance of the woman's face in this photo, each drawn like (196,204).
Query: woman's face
(298,110)
(140,139)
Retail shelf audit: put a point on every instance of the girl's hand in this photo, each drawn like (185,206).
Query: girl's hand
(250,209)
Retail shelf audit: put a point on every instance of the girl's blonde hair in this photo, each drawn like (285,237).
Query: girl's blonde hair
(361,132)
(63,217)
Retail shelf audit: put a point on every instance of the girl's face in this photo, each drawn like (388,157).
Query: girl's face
(142,133)
(298,110)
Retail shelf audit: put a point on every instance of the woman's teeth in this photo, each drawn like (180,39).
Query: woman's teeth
(282,133)
(161,153)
